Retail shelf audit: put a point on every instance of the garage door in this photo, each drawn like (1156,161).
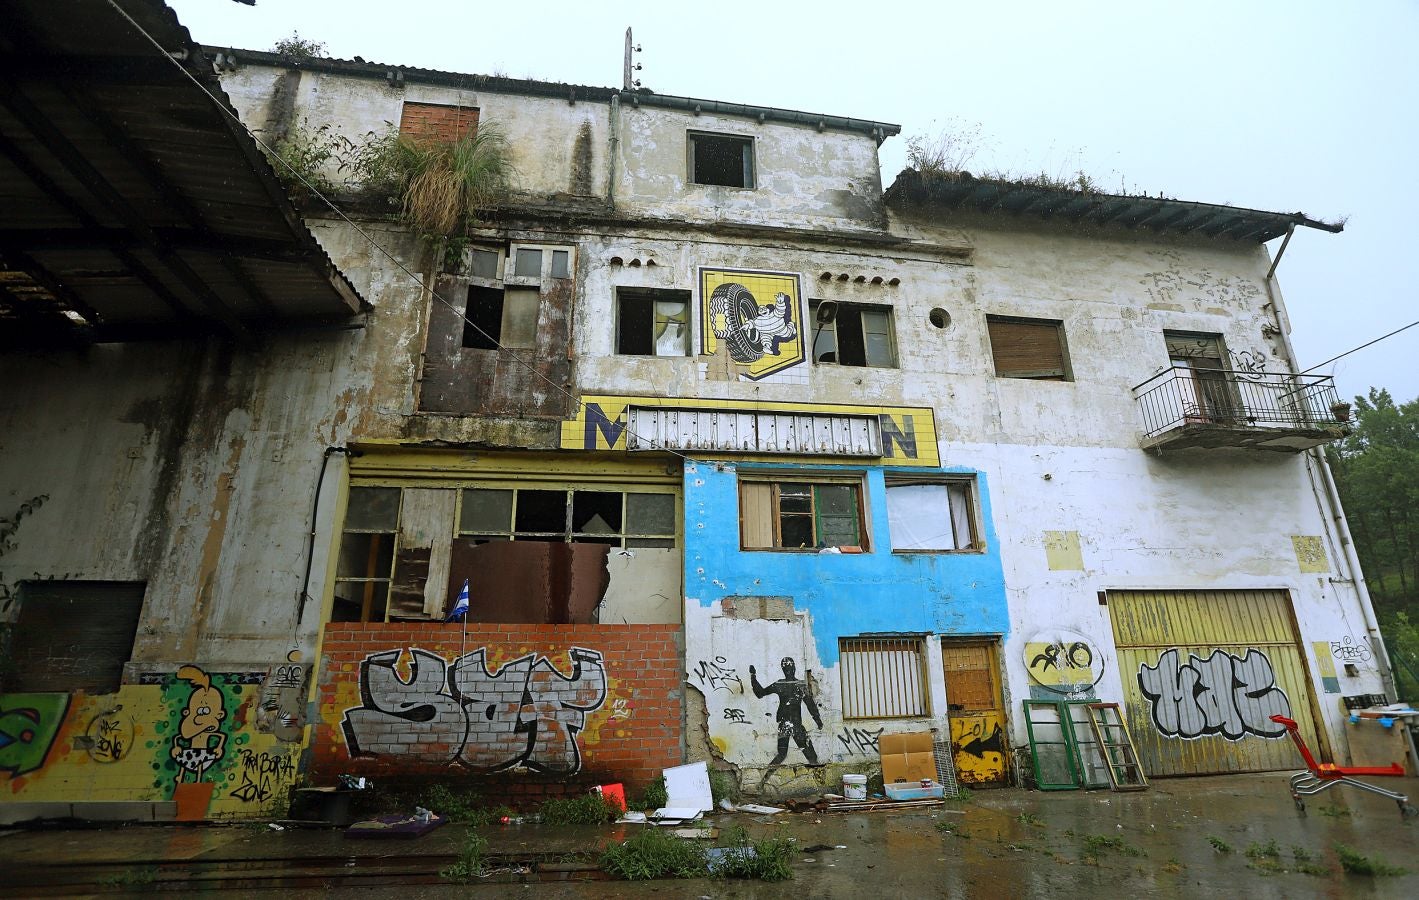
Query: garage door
(1202,673)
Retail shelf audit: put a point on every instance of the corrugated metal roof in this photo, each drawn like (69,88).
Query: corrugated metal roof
(131,204)
(961,191)
(398,76)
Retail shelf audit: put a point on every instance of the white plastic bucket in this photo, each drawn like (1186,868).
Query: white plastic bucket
(855,787)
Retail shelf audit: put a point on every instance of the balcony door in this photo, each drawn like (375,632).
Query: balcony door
(1205,391)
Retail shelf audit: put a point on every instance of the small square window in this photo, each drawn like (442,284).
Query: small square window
(529,264)
(483,263)
(652,322)
(561,264)
(800,515)
(931,515)
(855,336)
(721,159)
(882,678)
(1028,348)
(501,319)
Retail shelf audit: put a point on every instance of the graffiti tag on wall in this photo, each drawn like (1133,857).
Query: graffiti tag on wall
(28,724)
(719,676)
(109,736)
(262,775)
(1063,662)
(525,713)
(1351,650)
(1223,695)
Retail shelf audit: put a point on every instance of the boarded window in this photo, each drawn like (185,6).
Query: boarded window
(721,159)
(1028,348)
(931,515)
(800,515)
(426,123)
(72,636)
(882,678)
(970,677)
(652,322)
(857,336)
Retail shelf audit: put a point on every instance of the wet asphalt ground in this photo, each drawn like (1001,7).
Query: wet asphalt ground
(1181,838)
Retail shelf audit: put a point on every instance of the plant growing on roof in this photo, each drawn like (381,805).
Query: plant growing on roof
(296,47)
(445,186)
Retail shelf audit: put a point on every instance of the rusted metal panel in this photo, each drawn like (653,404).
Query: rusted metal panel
(518,383)
(530,582)
(729,431)
(1203,671)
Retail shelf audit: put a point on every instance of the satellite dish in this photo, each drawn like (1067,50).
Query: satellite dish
(827,311)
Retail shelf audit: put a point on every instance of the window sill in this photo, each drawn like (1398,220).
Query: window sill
(965,551)
(864,551)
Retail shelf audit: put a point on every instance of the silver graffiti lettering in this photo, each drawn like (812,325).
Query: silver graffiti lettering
(526,713)
(1223,695)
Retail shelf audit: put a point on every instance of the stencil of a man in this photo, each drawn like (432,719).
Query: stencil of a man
(792,695)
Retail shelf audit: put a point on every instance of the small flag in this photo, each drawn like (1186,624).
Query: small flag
(460,609)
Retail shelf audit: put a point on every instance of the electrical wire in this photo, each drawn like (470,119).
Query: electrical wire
(1361,347)
(578,404)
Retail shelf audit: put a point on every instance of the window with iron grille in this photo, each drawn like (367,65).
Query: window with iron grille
(882,678)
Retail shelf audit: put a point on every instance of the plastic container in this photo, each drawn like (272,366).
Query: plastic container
(913,790)
(855,787)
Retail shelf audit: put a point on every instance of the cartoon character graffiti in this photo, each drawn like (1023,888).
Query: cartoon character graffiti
(199,741)
(793,694)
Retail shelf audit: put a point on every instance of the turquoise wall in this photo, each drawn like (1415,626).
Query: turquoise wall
(847,594)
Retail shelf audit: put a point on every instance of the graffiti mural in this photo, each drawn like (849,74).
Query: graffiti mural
(978,747)
(754,316)
(28,724)
(793,694)
(199,742)
(1224,695)
(282,708)
(523,714)
(1063,662)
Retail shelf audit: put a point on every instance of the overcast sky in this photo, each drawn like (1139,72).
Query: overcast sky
(1286,106)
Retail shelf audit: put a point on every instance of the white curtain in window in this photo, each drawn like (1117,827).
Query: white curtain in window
(919,516)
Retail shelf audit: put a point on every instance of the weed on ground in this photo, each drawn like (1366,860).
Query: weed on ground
(1358,864)
(1333,811)
(653,797)
(472,859)
(651,854)
(1030,819)
(763,860)
(131,877)
(463,807)
(587,809)
(1218,844)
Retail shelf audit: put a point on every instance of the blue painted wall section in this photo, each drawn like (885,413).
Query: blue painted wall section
(847,594)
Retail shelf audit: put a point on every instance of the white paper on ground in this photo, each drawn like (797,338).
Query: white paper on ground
(668,814)
(632,818)
(760,810)
(689,786)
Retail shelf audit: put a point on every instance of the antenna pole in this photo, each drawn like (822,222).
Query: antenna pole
(626,68)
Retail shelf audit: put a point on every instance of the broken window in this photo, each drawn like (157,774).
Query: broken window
(501,318)
(71,636)
(721,159)
(800,515)
(366,560)
(856,336)
(652,322)
(1028,348)
(931,515)
(568,515)
(882,678)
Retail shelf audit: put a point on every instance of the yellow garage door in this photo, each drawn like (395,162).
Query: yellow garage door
(1202,673)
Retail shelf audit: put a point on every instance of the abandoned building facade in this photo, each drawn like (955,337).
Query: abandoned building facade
(742,458)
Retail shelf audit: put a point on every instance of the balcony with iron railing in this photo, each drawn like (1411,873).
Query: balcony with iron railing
(1196,408)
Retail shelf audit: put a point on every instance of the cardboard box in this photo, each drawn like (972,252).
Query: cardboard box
(907,757)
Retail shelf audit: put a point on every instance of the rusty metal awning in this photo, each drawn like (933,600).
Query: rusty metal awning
(963,192)
(132,205)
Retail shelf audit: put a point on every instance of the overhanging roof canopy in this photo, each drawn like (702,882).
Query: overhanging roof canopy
(131,204)
(961,191)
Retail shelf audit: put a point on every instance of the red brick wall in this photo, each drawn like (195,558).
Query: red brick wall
(509,710)
(433,122)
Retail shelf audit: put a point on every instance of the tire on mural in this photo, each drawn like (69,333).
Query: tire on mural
(733,310)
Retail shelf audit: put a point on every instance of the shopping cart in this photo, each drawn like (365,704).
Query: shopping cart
(1324,776)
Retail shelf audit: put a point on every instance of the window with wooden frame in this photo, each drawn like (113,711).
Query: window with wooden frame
(576,515)
(932,514)
(801,514)
(857,336)
(366,559)
(1028,348)
(882,678)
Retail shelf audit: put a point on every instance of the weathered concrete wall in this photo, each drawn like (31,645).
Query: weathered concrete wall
(573,705)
